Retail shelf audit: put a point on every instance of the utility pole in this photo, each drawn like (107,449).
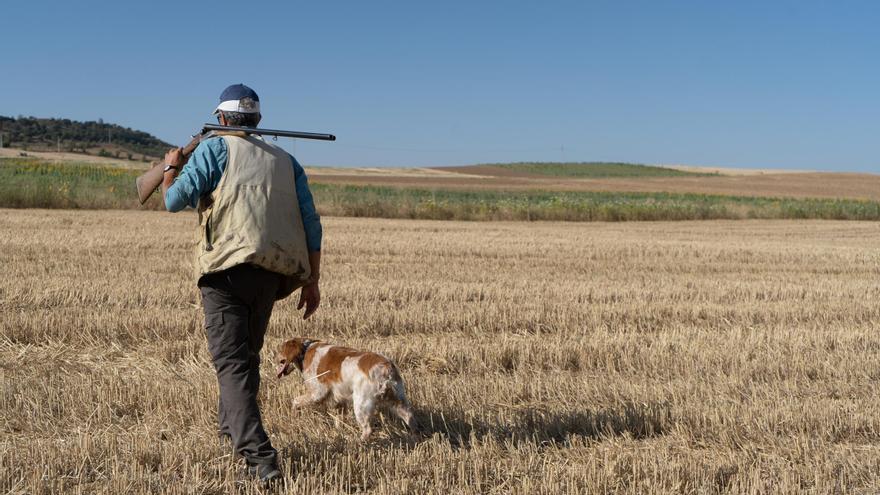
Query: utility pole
(58,144)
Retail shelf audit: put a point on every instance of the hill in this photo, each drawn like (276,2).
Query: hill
(569,169)
(93,138)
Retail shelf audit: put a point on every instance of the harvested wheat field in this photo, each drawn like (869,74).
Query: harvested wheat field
(730,182)
(697,357)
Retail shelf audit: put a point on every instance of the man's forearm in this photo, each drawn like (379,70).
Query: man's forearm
(167,180)
(315,265)
(174,161)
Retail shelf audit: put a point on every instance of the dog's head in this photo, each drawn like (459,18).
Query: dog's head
(291,354)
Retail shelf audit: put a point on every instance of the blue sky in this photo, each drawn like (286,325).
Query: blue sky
(743,84)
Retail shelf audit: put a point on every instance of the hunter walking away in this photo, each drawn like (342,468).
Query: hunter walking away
(259,240)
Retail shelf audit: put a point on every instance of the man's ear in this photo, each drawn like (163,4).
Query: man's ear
(221,118)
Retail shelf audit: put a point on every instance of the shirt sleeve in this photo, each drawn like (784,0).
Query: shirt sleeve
(199,176)
(310,218)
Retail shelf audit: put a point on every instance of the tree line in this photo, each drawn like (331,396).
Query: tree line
(74,136)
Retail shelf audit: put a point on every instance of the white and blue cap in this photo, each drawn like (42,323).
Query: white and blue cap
(238,98)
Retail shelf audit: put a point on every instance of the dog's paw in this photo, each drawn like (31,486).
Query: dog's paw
(365,434)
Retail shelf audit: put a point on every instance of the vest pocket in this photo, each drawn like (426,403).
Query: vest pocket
(208,234)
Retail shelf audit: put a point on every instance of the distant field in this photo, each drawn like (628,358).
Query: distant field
(390,202)
(766,183)
(563,177)
(27,183)
(769,185)
(577,170)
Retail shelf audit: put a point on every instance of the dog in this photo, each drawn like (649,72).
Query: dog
(341,375)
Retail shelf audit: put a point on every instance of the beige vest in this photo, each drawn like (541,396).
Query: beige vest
(253,215)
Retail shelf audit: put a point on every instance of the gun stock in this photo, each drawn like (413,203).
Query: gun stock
(149,181)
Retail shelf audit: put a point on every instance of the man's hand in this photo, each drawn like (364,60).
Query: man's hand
(310,297)
(174,157)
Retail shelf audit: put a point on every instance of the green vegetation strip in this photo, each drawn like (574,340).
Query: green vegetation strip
(370,201)
(34,183)
(594,169)
(27,183)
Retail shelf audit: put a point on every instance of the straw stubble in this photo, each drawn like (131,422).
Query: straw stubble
(696,357)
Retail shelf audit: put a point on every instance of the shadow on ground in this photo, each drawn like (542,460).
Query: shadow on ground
(639,421)
(527,426)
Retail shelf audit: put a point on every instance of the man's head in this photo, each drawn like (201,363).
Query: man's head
(239,107)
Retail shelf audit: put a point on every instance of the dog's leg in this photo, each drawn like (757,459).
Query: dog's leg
(313,396)
(364,406)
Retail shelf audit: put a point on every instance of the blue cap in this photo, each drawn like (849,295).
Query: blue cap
(238,98)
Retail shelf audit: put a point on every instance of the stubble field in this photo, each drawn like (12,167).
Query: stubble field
(691,357)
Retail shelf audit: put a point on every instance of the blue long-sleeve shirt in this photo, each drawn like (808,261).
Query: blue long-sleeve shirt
(202,173)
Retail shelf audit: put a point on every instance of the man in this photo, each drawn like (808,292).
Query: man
(260,239)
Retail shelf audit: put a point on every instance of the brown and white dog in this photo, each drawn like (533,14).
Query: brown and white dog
(342,375)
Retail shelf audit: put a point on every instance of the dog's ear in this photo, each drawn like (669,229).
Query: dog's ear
(286,345)
(298,355)
(292,346)
(294,351)
(288,354)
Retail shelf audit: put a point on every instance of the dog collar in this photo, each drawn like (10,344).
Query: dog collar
(306,344)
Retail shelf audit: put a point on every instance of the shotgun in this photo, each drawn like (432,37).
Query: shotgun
(150,180)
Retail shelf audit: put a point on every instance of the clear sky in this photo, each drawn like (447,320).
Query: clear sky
(789,84)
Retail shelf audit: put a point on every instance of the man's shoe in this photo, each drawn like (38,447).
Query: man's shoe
(266,473)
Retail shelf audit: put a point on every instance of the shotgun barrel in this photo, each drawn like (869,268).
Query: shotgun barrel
(269,132)
(149,181)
